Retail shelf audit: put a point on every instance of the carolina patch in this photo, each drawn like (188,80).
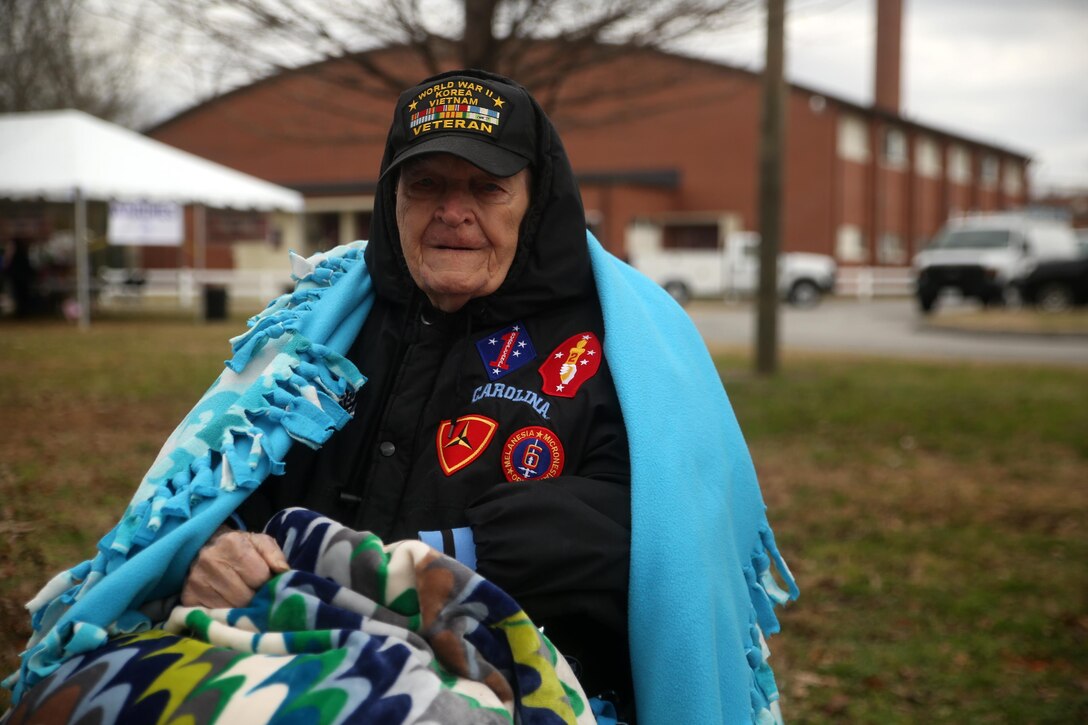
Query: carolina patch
(532,453)
(462,441)
(571,364)
(505,351)
(509,392)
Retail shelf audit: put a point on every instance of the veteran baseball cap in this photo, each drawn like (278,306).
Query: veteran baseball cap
(483,120)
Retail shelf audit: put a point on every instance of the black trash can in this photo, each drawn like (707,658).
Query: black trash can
(215,303)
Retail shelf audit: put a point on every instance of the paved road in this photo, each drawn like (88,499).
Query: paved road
(881,327)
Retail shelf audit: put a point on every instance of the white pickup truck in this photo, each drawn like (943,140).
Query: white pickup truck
(989,256)
(731,270)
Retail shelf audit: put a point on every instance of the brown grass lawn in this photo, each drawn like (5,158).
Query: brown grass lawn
(934,514)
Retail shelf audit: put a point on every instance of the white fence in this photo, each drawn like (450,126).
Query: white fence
(186,286)
(868,282)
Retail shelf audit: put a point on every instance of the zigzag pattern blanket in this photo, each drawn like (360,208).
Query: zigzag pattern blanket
(355,632)
(698,518)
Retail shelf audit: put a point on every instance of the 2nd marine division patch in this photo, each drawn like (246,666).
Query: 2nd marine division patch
(532,453)
(461,442)
(575,361)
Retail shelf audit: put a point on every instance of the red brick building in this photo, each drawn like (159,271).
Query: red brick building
(677,150)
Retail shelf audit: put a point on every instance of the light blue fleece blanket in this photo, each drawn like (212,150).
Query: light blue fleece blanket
(701,591)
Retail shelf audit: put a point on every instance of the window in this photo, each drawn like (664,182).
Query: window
(229,225)
(973,239)
(890,250)
(959,165)
(853,141)
(927,158)
(893,148)
(362,224)
(595,223)
(690,236)
(322,230)
(987,174)
(849,246)
(1012,180)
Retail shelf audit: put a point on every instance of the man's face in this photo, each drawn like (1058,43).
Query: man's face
(458,227)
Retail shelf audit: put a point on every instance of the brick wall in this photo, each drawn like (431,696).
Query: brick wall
(686,142)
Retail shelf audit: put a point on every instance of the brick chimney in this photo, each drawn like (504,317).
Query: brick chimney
(889,33)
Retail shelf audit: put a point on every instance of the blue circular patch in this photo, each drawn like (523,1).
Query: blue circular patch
(532,453)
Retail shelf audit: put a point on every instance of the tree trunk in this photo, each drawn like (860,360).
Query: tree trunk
(479,48)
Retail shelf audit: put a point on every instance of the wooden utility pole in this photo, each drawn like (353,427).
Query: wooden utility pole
(83,260)
(771,163)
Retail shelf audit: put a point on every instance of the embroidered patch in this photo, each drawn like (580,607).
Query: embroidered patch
(462,441)
(509,392)
(505,351)
(532,453)
(456,105)
(571,364)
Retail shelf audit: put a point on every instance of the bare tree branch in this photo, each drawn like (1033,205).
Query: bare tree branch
(52,58)
(543,44)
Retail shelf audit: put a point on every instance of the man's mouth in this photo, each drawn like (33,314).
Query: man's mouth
(455,246)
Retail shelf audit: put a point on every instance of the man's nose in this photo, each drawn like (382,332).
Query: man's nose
(455,206)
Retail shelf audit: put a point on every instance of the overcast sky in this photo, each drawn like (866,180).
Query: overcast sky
(1012,72)
(1009,72)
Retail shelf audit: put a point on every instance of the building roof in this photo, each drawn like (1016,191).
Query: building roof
(873,111)
(49,155)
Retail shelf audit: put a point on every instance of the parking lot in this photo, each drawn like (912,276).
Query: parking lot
(891,327)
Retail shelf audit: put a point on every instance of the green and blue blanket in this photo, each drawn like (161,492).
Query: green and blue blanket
(701,551)
(355,632)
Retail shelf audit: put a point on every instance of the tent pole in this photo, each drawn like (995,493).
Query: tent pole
(83,262)
(200,236)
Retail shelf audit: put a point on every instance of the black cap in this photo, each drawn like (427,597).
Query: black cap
(484,121)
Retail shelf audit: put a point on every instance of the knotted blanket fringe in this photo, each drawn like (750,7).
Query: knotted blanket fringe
(282,384)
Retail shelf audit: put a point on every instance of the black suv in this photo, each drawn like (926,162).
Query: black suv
(1056,286)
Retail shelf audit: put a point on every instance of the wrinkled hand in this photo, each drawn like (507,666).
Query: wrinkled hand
(230,568)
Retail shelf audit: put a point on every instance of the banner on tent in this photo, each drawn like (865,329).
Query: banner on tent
(160,224)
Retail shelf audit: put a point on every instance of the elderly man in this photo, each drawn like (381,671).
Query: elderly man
(489,417)
(532,406)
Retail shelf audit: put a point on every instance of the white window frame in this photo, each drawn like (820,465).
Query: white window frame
(1012,179)
(853,139)
(989,171)
(927,157)
(893,147)
(890,249)
(959,164)
(850,244)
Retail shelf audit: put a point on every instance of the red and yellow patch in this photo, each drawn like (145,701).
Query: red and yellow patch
(575,361)
(461,442)
(532,453)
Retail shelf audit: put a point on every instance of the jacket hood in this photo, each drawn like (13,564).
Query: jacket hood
(551,266)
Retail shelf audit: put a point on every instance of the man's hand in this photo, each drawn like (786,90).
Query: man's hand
(230,568)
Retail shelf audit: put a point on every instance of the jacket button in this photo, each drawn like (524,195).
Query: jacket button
(387,448)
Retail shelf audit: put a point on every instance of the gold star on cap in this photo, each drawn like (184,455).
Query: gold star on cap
(412,105)
(499,102)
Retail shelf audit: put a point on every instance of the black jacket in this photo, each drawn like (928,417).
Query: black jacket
(548,497)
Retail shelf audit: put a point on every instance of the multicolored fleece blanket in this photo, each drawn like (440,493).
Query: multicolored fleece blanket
(702,593)
(355,632)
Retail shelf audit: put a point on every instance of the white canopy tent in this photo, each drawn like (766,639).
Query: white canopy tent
(70,156)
